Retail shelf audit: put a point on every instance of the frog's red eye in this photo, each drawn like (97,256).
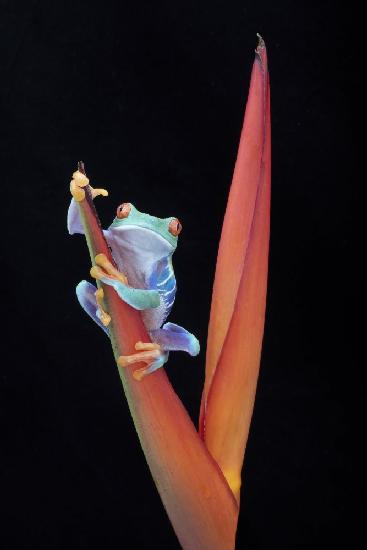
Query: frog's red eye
(174,227)
(123,210)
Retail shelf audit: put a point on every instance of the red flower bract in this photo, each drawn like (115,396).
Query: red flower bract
(198,476)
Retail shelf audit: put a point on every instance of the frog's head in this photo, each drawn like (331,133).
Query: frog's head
(142,232)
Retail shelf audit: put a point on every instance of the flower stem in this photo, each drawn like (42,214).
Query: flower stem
(197,498)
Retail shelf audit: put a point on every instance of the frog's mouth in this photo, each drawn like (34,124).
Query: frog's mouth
(142,241)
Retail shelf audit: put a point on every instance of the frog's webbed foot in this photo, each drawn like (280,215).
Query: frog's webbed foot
(136,297)
(77,185)
(106,270)
(170,337)
(149,353)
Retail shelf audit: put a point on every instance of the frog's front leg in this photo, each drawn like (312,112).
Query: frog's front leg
(136,297)
(139,299)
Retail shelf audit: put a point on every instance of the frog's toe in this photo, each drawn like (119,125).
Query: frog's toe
(101,313)
(103,262)
(97,192)
(77,192)
(138,374)
(76,185)
(80,179)
(145,346)
(154,358)
(194,345)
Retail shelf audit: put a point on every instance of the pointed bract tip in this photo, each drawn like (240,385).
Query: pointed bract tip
(260,44)
(81,167)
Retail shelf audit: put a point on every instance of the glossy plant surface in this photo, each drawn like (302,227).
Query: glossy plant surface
(198,474)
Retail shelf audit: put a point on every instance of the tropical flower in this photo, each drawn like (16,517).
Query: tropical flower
(198,473)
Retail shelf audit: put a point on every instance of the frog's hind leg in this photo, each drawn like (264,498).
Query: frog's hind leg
(86,294)
(172,337)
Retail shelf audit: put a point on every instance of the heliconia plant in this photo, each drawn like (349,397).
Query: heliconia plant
(198,472)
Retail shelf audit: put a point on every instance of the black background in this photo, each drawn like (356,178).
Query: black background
(151,96)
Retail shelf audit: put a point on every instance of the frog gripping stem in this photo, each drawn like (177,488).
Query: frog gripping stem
(199,522)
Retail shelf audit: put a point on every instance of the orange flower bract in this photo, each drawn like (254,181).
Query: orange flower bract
(239,293)
(198,475)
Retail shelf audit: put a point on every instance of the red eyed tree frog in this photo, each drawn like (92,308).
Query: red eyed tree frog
(142,247)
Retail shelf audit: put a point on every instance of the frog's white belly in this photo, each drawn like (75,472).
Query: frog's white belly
(145,272)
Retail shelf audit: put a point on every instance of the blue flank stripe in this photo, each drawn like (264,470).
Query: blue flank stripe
(165,283)
(169,294)
(169,285)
